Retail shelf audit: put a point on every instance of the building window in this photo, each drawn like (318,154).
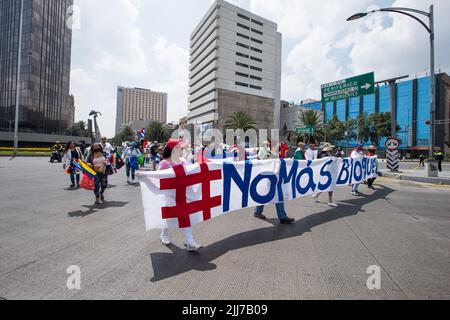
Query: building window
(242,65)
(256,59)
(243,17)
(257,22)
(257,31)
(256,68)
(257,41)
(242,55)
(240,25)
(242,45)
(255,87)
(241,84)
(256,50)
(256,78)
(242,36)
(240,74)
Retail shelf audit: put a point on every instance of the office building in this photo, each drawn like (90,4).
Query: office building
(235,65)
(139,104)
(409,103)
(44,69)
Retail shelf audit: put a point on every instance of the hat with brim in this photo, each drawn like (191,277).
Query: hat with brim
(372,148)
(172,143)
(328,149)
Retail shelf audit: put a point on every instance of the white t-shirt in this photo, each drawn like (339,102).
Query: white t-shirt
(311,154)
(107,148)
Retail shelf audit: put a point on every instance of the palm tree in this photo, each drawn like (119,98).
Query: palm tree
(240,120)
(157,131)
(311,118)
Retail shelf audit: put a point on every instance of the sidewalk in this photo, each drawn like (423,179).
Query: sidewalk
(417,175)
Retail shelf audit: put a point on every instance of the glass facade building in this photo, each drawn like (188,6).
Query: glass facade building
(44,105)
(411,109)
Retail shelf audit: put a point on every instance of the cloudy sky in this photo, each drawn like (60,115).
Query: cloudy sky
(144,43)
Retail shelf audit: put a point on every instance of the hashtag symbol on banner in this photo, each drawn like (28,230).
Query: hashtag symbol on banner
(183,210)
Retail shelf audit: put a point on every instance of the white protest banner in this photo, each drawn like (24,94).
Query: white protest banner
(184,196)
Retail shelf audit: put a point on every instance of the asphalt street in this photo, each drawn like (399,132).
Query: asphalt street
(46,227)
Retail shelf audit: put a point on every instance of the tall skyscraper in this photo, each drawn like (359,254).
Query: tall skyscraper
(45,65)
(235,65)
(135,104)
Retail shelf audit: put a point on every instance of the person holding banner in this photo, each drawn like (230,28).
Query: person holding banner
(300,152)
(98,161)
(72,153)
(312,154)
(172,157)
(265,154)
(371,152)
(327,152)
(356,154)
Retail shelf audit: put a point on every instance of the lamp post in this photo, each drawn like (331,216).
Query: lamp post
(430,29)
(19,61)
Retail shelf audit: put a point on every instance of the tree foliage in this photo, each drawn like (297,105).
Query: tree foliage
(158,131)
(311,118)
(79,129)
(240,120)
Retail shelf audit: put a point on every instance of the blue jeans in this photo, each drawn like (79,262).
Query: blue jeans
(133,171)
(355,187)
(281,212)
(72,177)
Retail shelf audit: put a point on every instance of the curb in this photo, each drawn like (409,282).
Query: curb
(400,176)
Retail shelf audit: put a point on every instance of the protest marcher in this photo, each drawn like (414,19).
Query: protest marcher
(312,153)
(327,152)
(130,158)
(106,146)
(300,152)
(340,153)
(82,145)
(98,161)
(153,153)
(371,152)
(264,154)
(172,155)
(357,153)
(71,154)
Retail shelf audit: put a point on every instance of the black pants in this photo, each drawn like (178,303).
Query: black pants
(440,165)
(370,182)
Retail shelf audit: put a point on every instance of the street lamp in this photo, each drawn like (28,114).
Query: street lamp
(430,29)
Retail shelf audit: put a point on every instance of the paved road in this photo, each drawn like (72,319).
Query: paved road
(44,228)
(405,166)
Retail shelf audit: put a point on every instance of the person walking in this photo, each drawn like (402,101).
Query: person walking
(172,157)
(356,154)
(327,152)
(98,161)
(130,158)
(264,154)
(371,152)
(312,153)
(439,157)
(300,152)
(72,153)
(422,160)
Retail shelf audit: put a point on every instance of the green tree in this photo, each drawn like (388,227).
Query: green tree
(379,127)
(79,129)
(127,134)
(240,120)
(363,128)
(335,130)
(157,131)
(311,118)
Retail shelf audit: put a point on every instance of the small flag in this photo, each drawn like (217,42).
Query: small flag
(83,167)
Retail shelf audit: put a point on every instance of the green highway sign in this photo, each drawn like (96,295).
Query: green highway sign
(352,87)
(306,130)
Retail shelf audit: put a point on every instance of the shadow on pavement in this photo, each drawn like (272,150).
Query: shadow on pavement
(95,208)
(167,265)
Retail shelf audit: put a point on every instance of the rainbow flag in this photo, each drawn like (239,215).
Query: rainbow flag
(83,167)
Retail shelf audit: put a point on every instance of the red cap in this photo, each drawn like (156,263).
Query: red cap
(172,143)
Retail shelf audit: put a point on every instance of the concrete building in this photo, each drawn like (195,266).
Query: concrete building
(139,104)
(44,68)
(235,65)
(290,113)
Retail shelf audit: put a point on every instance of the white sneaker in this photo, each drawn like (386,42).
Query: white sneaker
(133,181)
(165,240)
(332,204)
(316,199)
(354,193)
(129,180)
(193,246)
